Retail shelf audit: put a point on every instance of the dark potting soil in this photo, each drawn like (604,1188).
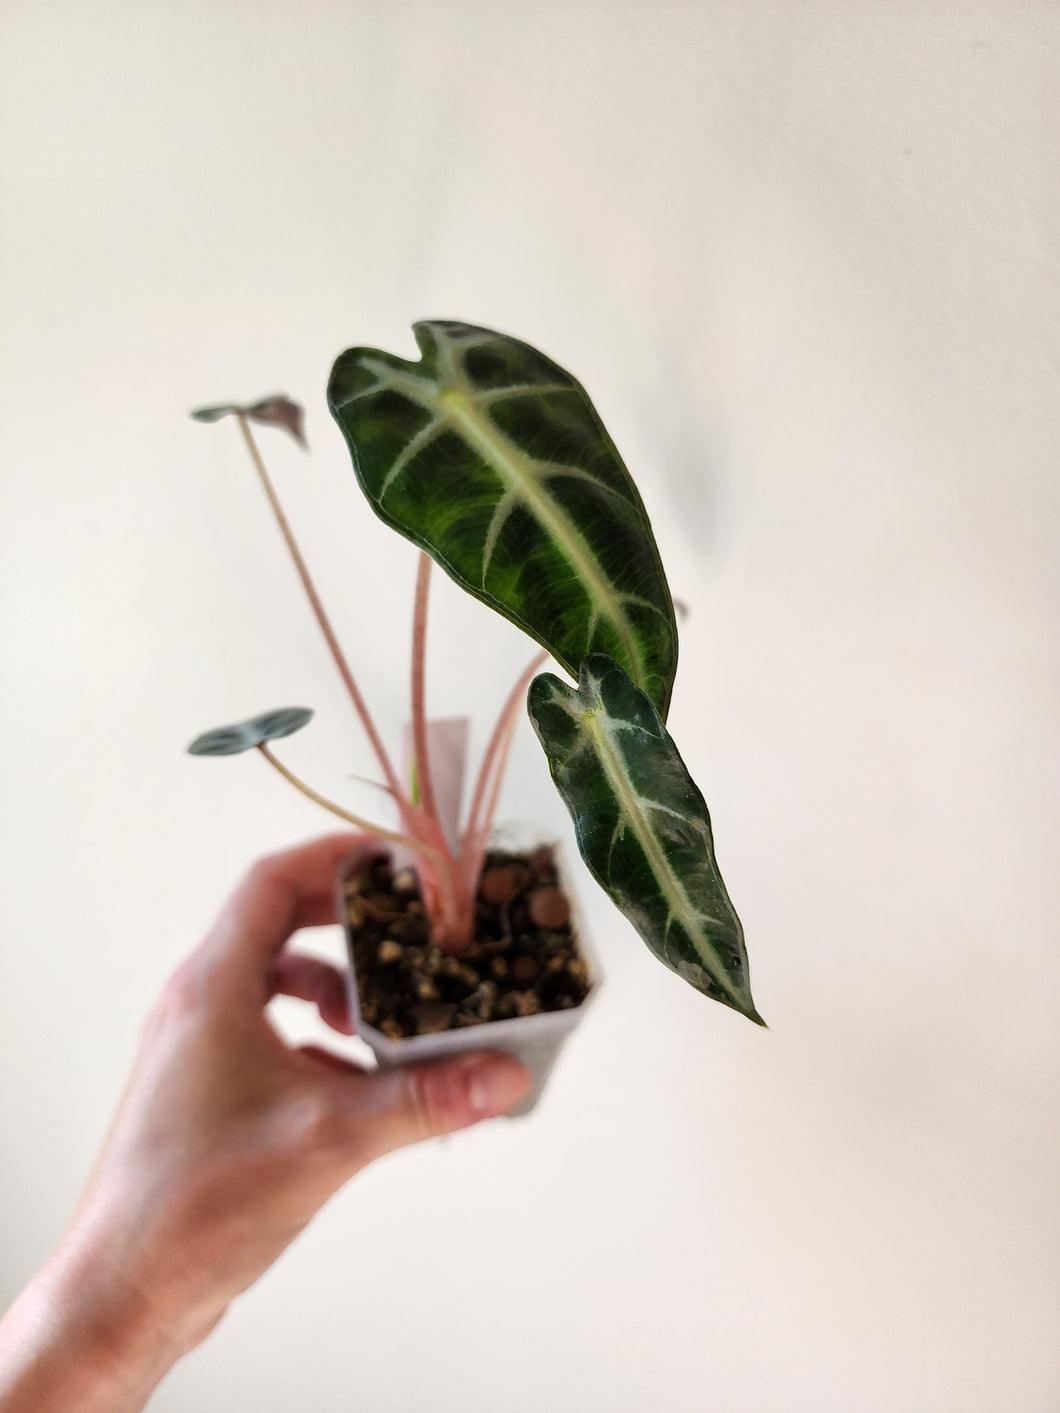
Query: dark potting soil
(523,958)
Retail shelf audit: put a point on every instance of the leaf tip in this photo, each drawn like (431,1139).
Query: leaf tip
(212,414)
(280,411)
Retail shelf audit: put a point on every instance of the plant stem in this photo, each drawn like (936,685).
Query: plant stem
(507,714)
(419,707)
(415,844)
(321,617)
(498,780)
(475,839)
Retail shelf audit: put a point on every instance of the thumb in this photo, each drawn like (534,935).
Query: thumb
(407,1105)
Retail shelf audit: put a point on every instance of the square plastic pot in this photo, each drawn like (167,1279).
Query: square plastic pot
(535,1040)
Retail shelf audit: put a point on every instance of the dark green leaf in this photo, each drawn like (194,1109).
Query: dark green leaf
(491,458)
(214,414)
(245,735)
(642,825)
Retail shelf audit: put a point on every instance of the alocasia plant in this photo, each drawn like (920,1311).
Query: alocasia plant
(492,459)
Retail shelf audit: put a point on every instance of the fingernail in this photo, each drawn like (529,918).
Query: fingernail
(494,1084)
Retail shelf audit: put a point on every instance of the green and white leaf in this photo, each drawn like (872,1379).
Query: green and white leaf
(245,735)
(281,721)
(491,458)
(642,825)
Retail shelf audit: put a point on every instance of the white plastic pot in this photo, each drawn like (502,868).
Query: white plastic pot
(535,1040)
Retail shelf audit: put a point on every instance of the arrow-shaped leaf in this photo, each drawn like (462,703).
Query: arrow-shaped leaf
(642,825)
(491,458)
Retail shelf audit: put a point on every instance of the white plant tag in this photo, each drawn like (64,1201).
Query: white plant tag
(447,753)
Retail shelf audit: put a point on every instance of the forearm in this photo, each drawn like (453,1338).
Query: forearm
(78,1338)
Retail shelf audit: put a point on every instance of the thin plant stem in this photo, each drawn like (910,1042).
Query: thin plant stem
(476,844)
(318,609)
(488,788)
(507,712)
(498,781)
(366,824)
(419,706)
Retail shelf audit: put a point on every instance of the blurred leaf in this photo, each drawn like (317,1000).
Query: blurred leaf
(245,735)
(275,411)
(642,825)
(284,721)
(491,458)
(224,741)
(280,411)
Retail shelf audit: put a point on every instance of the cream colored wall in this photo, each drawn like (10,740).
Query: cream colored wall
(805,259)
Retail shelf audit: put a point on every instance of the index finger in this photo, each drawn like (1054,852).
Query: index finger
(280,894)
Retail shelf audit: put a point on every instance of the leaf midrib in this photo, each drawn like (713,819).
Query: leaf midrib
(669,884)
(516,468)
(455,405)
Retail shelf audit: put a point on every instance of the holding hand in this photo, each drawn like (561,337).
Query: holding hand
(227,1141)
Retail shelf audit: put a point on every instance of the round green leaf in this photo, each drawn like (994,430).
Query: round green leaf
(284,721)
(224,741)
(245,735)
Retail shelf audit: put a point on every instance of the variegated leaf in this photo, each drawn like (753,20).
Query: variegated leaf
(245,735)
(491,458)
(642,825)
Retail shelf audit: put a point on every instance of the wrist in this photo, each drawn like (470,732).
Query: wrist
(80,1336)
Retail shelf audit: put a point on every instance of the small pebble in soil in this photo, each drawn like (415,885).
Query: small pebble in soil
(431,1018)
(405,882)
(548,907)
(382,904)
(481,1001)
(541,862)
(518,1003)
(525,969)
(498,885)
(455,970)
(389,951)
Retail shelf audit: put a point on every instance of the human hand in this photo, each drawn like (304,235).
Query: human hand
(226,1142)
